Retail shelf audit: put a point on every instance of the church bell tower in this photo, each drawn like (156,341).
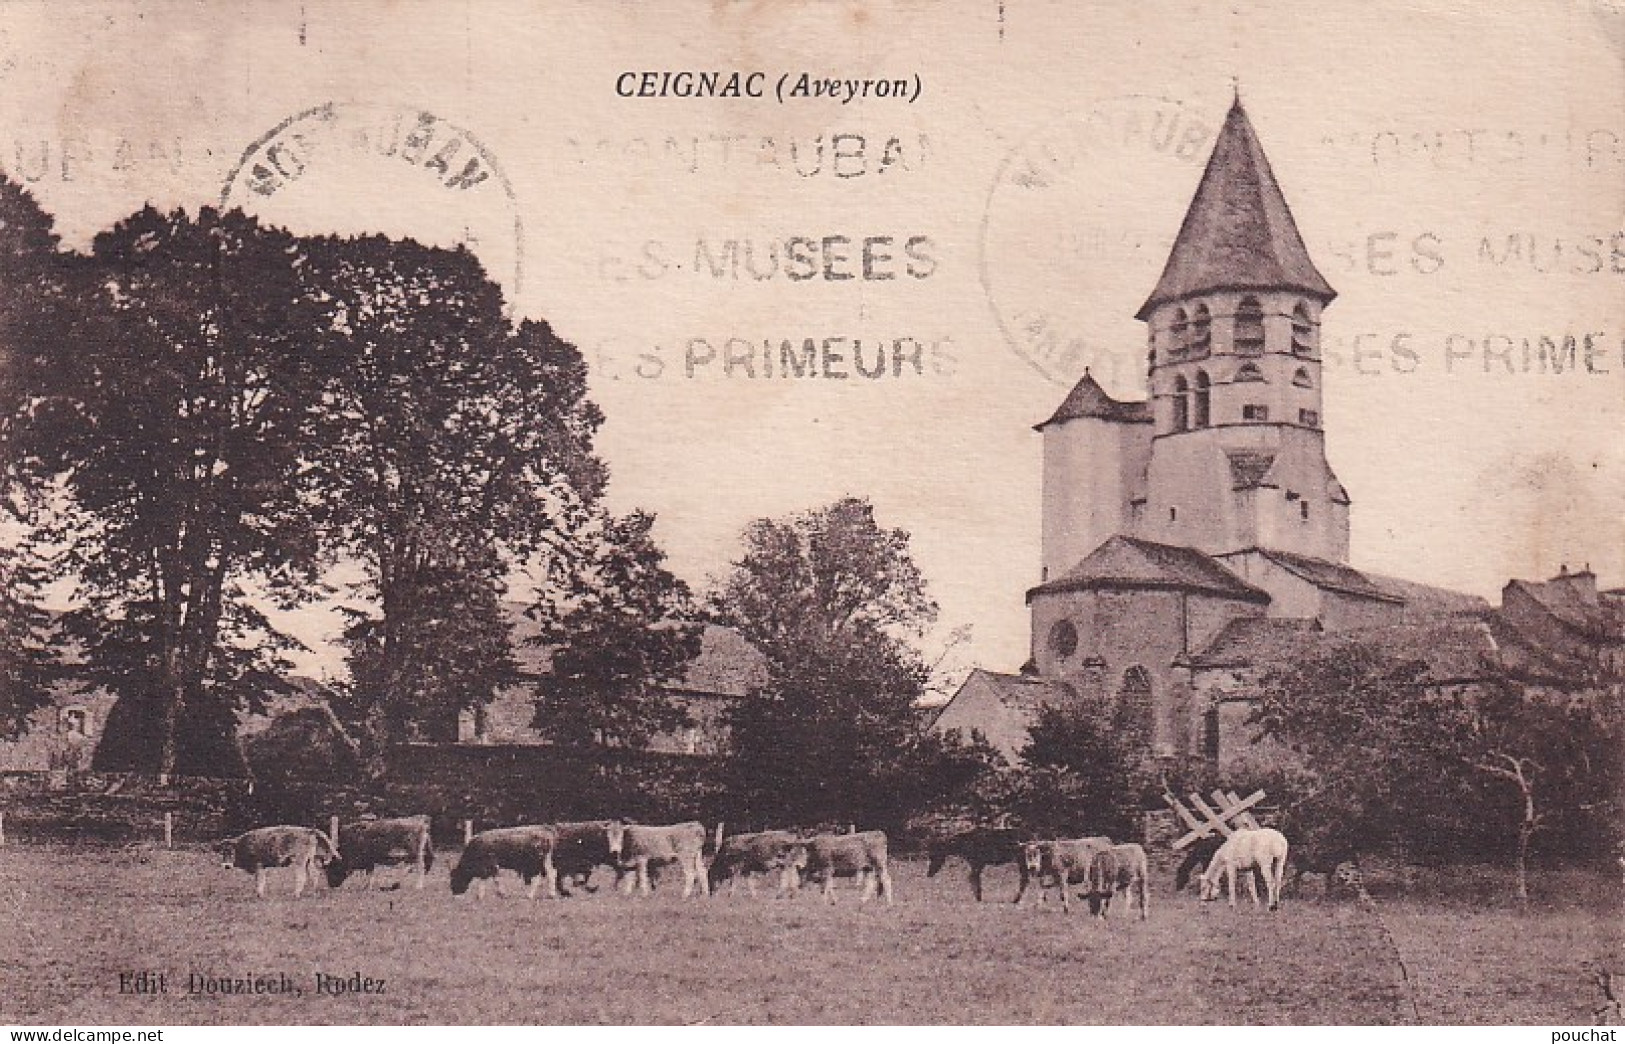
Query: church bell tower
(1238,454)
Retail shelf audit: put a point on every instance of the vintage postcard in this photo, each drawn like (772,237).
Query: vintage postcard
(544,512)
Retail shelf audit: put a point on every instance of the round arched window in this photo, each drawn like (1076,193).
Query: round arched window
(1063,639)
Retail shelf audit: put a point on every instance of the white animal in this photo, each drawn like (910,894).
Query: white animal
(1263,849)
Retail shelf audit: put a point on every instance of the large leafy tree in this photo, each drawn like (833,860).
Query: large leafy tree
(173,416)
(1389,757)
(458,445)
(1087,773)
(33,275)
(835,602)
(612,620)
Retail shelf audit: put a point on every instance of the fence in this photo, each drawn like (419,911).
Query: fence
(118,808)
(489,785)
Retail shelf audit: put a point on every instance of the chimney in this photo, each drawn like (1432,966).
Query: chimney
(1582,583)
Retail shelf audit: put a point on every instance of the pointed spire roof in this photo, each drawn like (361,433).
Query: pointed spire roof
(1238,233)
(1088,399)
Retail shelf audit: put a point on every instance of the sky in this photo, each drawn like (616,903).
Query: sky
(1456,172)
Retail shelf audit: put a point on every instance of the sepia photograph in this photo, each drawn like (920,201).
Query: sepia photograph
(547,513)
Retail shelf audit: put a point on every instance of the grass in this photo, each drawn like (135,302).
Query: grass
(80,916)
(1479,957)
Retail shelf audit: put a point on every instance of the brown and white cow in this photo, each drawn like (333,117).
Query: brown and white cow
(1120,868)
(862,855)
(581,848)
(1062,864)
(527,850)
(303,848)
(751,855)
(680,843)
(371,843)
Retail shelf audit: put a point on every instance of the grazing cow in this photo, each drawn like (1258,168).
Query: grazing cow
(1061,864)
(863,855)
(303,848)
(1120,868)
(525,849)
(1264,849)
(583,847)
(372,843)
(980,848)
(680,843)
(751,855)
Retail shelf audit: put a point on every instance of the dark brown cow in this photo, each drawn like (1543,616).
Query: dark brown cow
(528,850)
(862,855)
(583,847)
(751,855)
(303,848)
(1118,868)
(680,843)
(371,843)
(979,847)
(1062,864)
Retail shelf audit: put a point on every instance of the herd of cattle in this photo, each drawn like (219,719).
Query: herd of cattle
(562,856)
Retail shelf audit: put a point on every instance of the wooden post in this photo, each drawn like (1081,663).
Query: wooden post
(468,831)
(333,830)
(169,830)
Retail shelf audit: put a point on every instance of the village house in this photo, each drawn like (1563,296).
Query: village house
(62,736)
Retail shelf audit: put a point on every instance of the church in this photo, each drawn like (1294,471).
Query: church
(1193,539)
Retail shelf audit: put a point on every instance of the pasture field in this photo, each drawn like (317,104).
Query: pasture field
(75,918)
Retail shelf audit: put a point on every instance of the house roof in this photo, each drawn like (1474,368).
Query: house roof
(1132,563)
(1248,641)
(1088,399)
(1425,598)
(1455,649)
(1329,576)
(1016,691)
(1566,602)
(727,665)
(1238,233)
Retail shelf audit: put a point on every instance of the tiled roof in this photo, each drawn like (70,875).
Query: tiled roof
(1570,606)
(1245,642)
(1017,691)
(1455,649)
(1329,576)
(727,665)
(1425,598)
(1238,233)
(1128,562)
(1089,399)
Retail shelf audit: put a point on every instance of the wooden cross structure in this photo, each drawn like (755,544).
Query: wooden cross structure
(1230,815)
